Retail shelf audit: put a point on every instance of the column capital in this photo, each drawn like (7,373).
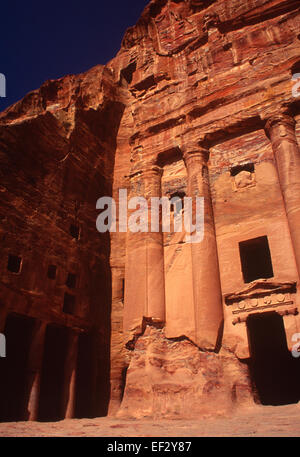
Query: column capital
(154,170)
(279,119)
(200,155)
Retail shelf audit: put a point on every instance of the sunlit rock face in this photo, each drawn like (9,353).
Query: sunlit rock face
(171,378)
(199,101)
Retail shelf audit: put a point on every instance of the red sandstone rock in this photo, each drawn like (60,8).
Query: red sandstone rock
(173,379)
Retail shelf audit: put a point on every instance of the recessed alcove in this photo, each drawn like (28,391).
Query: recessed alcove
(52,374)
(18,332)
(126,73)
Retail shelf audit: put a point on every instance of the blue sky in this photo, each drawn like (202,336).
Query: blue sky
(47,40)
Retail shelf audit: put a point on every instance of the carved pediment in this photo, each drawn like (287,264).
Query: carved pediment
(263,296)
(261,288)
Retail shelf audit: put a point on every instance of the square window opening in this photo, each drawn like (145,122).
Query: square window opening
(14,263)
(256,259)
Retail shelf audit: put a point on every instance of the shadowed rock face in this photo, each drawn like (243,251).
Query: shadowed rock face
(57,158)
(198,102)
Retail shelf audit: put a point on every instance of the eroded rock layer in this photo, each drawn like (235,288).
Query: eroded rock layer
(173,379)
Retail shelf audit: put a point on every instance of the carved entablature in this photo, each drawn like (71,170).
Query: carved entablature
(263,296)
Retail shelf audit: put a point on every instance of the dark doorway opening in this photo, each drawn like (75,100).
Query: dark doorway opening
(275,372)
(13,369)
(85,379)
(256,259)
(53,374)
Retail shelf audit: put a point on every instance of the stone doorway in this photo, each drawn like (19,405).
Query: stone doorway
(13,368)
(53,374)
(275,373)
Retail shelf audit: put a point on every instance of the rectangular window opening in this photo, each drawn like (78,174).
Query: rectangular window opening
(74,231)
(71,281)
(256,259)
(52,272)
(14,263)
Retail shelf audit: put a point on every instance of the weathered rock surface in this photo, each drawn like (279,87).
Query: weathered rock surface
(57,150)
(174,379)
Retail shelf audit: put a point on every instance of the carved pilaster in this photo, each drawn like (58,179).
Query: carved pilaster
(144,271)
(206,276)
(281,131)
(35,360)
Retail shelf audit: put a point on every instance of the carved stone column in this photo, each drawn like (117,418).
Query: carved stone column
(206,276)
(35,361)
(281,131)
(69,393)
(144,271)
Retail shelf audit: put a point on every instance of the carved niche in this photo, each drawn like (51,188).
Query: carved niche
(243,176)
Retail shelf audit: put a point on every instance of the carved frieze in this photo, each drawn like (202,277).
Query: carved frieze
(261,296)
